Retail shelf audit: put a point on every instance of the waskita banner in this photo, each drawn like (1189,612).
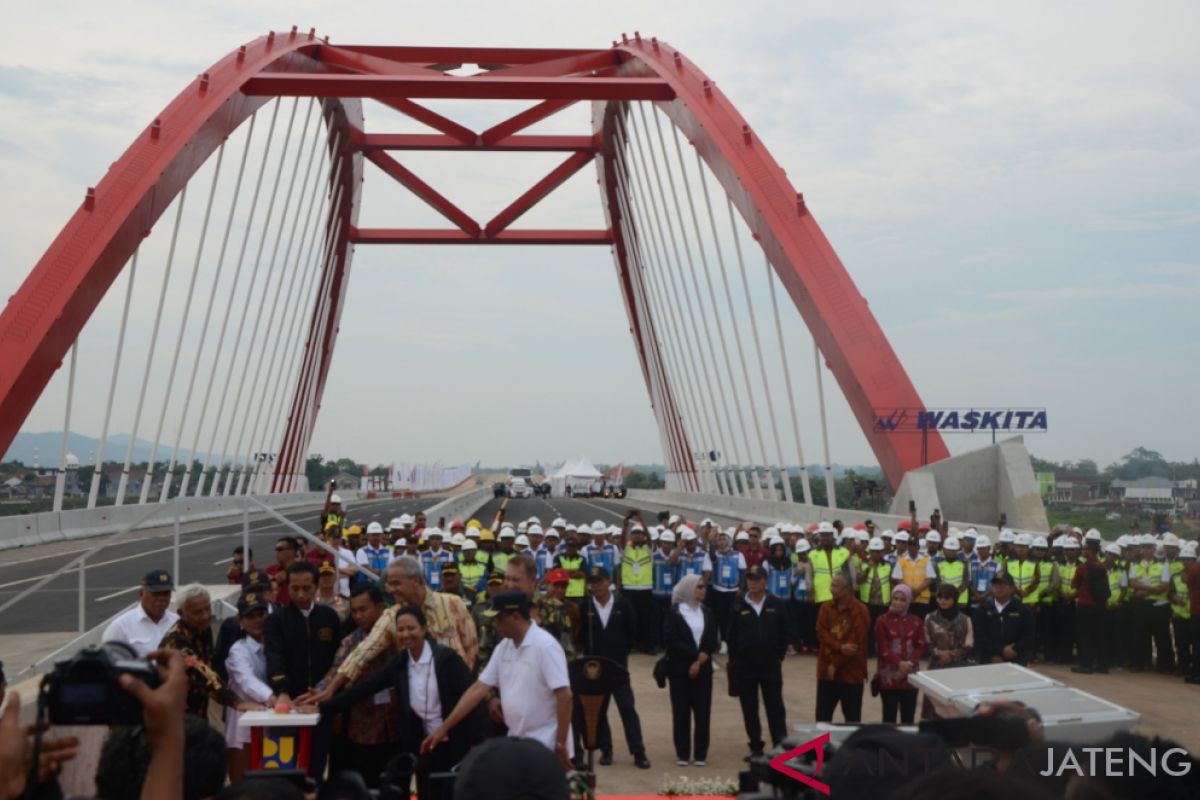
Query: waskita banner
(427,477)
(971,419)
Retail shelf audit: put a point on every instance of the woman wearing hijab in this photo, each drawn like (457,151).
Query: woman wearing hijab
(900,644)
(690,636)
(429,679)
(950,637)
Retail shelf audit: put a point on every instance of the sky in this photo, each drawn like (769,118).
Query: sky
(1014,187)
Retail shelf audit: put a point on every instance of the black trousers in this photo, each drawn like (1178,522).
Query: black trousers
(767,678)
(691,701)
(430,764)
(1185,647)
(804,623)
(1160,631)
(1138,628)
(1117,636)
(1089,625)
(623,697)
(876,612)
(642,601)
(1065,632)
(368,760)
(1195,626)
(897,702)
(831,693)
(662,607)
(721,604)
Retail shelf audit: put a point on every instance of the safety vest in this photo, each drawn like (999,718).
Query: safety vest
(577,587)
(474,575)
(1181,608)
(1067,573)
(1022,573)
(500,560)
(882,571)
(599,555)
(691,563)
(432,564)
(824,566)
(729,573)
(666,575)
(636,570)
(779,581)
(1153,575)
(1116,592)
(951,572)
(913,572)
(1046,569)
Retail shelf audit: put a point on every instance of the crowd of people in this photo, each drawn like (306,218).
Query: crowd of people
(428,640)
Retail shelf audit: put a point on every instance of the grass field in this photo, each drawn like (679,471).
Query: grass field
(1112,528)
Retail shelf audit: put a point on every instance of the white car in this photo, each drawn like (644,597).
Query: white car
(517,487)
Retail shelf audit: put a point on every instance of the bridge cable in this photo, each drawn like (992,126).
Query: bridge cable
(787,377)
(274,305)
(691,315)
(162,296)
(60,478)
(233,287)
(94,488)
(830,494)
(151,463)
(212,297)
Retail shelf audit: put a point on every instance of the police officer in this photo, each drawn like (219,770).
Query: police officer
(758,640)
(1004,627)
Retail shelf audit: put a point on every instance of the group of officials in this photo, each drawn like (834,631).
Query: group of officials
(414,638)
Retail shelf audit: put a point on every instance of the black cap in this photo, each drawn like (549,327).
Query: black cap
(1003,577)
(598,574)
(449,566)
(508,601)
(495,578)
(158,580)
(251,601)
(255,578)
(508,767)
(756,572)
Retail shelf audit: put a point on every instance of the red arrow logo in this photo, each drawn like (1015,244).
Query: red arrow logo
(779,764)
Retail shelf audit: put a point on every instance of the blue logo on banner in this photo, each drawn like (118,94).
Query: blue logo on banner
(961,420)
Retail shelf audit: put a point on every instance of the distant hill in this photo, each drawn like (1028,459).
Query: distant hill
(84,447)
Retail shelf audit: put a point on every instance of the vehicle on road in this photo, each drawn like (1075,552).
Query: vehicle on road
(518,488)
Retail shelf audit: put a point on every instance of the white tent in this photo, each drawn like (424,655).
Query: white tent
(576,472)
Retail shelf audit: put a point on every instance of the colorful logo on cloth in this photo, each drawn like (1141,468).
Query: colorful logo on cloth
(280,752)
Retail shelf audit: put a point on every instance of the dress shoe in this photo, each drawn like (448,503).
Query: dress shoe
(606,759)
(641,762)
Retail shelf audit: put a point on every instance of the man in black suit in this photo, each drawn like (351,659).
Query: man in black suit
(300,641)
(610,630)
(758,641)
(1004,626)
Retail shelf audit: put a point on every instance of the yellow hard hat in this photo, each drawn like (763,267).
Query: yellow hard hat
(474,523)
(486,536)
(354,530)
(332,525)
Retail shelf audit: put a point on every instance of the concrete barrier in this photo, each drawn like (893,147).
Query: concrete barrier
(51,526)
(461,506)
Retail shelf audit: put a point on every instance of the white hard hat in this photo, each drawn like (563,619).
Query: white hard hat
(770,532)
(933,536)
(1007,535)
(1023,539)
(887,534)
(559,522)
(862,536)
(654,532)
(522,541)
(507,533)
(875,544)
(1068,542)
(553,532)
(668,536)
(674,518)
(374,527)
(1170,540)
(951,543)
(802,546)
(706,521)
(407,519)
(534,520)
(599,528)
(901,536)
(1040,541)
(395,525)
(335,498)
(469,544)
(504,525)
(402,542)
(522,527)
(982,541)
(742,536)
(1113,548)
(472,533)
(534,529)
(970,533)
(431,532)
(1188,550)
(771,541)
(615,530)
(571,527)
(687,535)
(1076,530)
(1148,538)
(826,527)
(1093,535)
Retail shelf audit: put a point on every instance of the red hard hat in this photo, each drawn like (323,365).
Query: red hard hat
(558,575)
(905,525)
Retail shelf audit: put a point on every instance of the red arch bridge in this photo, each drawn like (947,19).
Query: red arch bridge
(234,214)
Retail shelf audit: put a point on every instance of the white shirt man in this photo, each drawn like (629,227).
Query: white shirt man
(144,626)
(527,677)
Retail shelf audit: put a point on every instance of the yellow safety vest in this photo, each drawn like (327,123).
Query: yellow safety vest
(1153,574)
(1181,608)
(577,587)
(636,568)
(951,572)
(471,573)
(1067,573)
(1116,592)
(824,566)
(1046,569)
(1022,573)
(883,571)
(913,574)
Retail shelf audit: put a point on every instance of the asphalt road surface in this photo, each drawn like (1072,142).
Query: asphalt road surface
(579,510)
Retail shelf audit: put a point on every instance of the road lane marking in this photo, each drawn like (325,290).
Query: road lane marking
(114,560)
(116,594)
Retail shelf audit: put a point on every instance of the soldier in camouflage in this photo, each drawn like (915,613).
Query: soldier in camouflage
(521,576)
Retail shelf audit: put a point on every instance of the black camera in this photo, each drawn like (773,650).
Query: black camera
(84,690)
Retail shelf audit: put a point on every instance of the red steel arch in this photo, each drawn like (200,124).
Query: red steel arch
(45,316)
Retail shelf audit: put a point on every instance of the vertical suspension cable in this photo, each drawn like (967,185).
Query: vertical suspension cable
(770,483)
(98,471)
(60,480)
(830,494)
(651,343)
(737,246)
(787,381)
(187,395)
(701,420)
(292,362)
(262,351)
(671,311)
(187,307)
(675,265)
(262,169)
(137,415)
(262,241)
